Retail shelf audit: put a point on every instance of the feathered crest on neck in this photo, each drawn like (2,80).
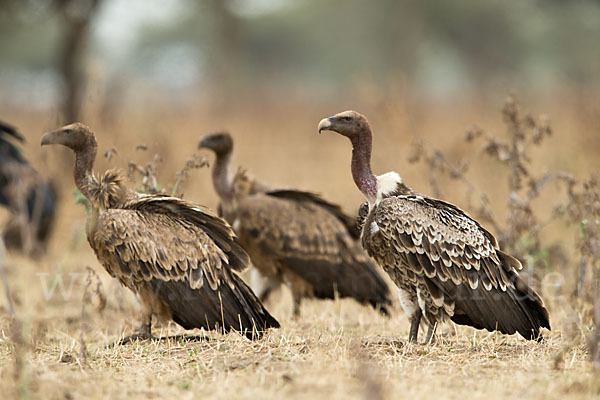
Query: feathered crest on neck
(245,185)
(242,182)
(107,191)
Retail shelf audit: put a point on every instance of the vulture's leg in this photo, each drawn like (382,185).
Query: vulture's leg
(144,333)
(410,305)
(145,330)
(430,338)
(270,286)
(297,302)
(263,285)
(415,320)
(265,293)
(298,288)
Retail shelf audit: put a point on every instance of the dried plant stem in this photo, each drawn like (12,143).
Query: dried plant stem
(194,162)
(89,293)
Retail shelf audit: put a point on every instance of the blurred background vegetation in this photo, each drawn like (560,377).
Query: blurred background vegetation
(120,53)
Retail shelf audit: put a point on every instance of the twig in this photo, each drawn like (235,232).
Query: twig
(194,162)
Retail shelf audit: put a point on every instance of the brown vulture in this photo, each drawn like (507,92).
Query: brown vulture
(30,199)
(445,264)
(177,257)
(296,237)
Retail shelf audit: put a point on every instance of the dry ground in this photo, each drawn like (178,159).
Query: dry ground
(338,349)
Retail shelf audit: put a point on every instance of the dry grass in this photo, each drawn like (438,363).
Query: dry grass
(55,346)
(337,350)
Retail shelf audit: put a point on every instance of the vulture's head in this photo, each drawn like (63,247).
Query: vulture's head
(76,136)
(347,123)
(220,143)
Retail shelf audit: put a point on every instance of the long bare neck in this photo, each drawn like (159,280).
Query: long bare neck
(220,176)
(84,162)
(361,164)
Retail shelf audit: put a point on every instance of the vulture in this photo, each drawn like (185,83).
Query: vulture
(30,199)
(296,237)
(445,264)
(177,257)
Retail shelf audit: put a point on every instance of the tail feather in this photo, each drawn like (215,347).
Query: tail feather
(518,309)
(229,308)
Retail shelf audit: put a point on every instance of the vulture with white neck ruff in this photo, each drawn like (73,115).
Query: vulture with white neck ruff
(296,237)
(177,257)
(445,264)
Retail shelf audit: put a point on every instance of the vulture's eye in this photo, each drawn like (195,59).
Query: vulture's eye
(68,131)
(346,119)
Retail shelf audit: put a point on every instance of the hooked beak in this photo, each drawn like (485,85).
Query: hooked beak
(203,143)
(47,138)
(326,124)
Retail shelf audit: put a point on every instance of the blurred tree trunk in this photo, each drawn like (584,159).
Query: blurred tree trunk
(228,51)
(78,15)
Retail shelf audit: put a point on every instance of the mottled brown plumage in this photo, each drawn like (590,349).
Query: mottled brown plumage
(176,256)
(296,237)
(445,264)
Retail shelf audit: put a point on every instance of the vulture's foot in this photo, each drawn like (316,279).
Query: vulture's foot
(138,336)
(296,309)
(430,338)
(144,333)
(415,320)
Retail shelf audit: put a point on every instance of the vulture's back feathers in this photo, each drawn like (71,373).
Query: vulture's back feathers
(333,209)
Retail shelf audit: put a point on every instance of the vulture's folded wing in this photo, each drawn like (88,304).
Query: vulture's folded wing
(199,219)
(245,185)
(458,258)
(185,254)
(306,238)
